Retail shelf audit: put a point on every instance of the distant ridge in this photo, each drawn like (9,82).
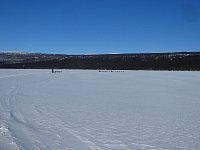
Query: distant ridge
(127,61)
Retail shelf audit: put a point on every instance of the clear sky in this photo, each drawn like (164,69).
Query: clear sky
(99,26)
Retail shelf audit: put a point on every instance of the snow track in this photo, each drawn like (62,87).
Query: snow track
(6,116)
(15,75)
(88,110)
(18,127)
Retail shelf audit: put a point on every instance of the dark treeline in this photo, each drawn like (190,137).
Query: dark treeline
(148,61)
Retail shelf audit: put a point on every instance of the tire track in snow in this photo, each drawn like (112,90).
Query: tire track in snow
(67,132)
(14,112)
(17,125)
(5,120)
(5,133)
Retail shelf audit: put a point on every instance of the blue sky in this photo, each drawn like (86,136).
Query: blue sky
(99,26)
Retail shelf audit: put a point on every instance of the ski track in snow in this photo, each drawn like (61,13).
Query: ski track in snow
(82,110)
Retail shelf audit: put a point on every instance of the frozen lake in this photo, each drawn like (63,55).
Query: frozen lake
(83,110)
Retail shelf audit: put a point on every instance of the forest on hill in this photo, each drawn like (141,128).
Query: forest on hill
(142,61)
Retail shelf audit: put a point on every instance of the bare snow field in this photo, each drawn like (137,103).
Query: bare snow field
(91,110)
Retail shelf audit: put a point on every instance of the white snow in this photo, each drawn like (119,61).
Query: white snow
(91,110)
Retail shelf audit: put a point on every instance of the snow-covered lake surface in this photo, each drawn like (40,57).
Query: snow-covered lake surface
(83,110)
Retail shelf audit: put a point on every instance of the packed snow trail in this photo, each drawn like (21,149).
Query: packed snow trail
(83,110)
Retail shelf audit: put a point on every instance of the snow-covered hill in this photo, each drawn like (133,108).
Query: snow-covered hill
(83,110)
